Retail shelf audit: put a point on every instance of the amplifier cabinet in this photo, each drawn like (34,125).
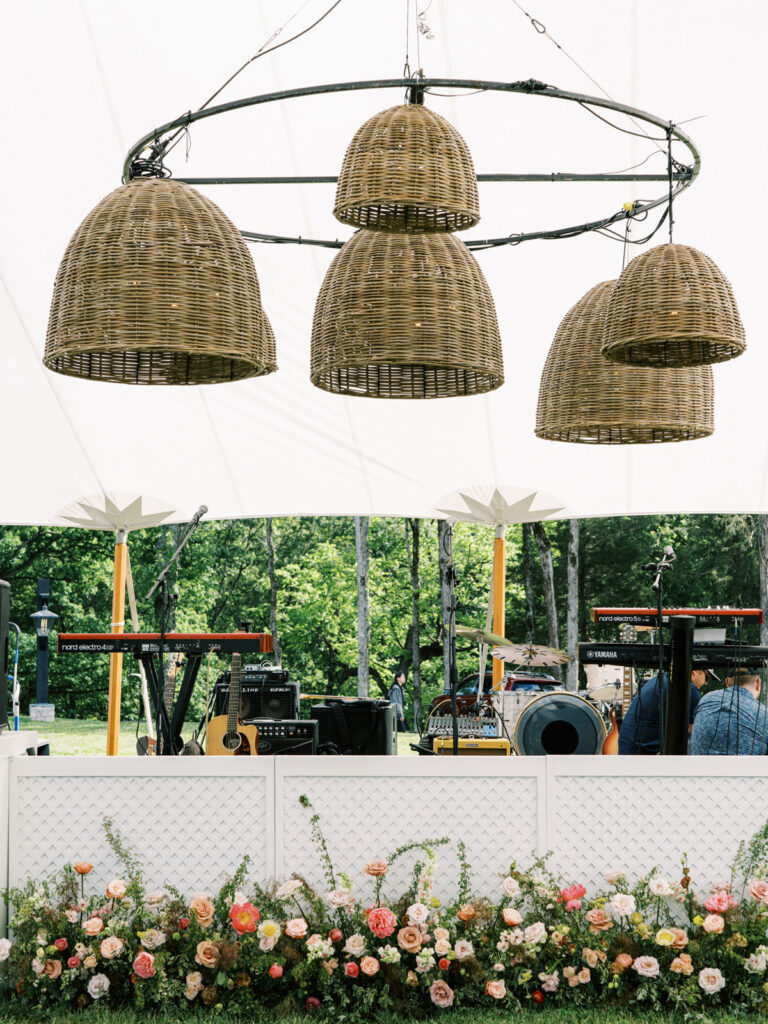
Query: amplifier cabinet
(356,726)
(260,699)
(294,736)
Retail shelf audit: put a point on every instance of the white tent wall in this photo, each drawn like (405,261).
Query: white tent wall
(81,81)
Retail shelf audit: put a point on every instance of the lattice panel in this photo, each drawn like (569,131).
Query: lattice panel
(603,823)
(191,831)
(365,817)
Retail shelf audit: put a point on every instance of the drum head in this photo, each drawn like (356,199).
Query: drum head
(559,723)
(606,691)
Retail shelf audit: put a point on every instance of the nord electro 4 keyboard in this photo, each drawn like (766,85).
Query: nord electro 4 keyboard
(703,616)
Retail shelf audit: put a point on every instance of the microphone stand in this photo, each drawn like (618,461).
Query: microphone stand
(659,568)
(453,671)
(162,582)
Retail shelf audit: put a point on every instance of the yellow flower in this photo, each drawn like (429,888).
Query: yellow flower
(434,902)
(699,920)
(664,937)
(644,930)
(636,918)
(269,929)
(524,977)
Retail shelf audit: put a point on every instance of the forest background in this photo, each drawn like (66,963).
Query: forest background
(352,601)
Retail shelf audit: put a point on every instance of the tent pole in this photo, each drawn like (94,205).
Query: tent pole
(499,584)
(118,626)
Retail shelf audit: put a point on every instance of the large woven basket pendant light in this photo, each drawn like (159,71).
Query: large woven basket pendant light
(405,316)
(157,287)
(408,169)
(672,306)
(587,399)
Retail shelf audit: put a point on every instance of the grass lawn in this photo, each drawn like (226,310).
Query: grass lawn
(74,736)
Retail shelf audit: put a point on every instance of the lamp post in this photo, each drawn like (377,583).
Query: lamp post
(43,619)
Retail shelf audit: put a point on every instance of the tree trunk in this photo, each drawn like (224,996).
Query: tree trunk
(762,547)
(572,621)
(273,595)
(363,615)
(412,528)
(530,606)
(445,559)
(548,587)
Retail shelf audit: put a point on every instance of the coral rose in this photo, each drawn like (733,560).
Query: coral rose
(296,928)
(382,922)
(714,924)
(52,968)
(244,917)
(466,912)
(572,896)
(93,926)
(60,944)
(598,920)
(82,867)
(443,964)
(351,970)
(73,962)
(711,980)
(369,965)
(203,910)
(495,989)
(275,971)
(116,889)
(441,994)
(409,939)
(537,996)
(646,966)
(758,890)
(376,868)
(207,954)
(511,916)
(111,947)
(335,935)
(144,964)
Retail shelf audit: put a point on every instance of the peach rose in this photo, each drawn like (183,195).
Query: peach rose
(590,956)
(194,980)
(296,928)
(511,916)
(714,924)
(758,890)
(463,949)
(83,867)
(207,954)
(442,946)
(203,910)
(369,965)
(584,976)
(111,947)
(441,994)
(646,966)
(466,912)
(116,889)
(144,964)
(376,868)
(409,939)
(441,933)
(90,961)
(624,960)
(93,926)
(495,989)
(679,966)
(598,920)
(52,968)
(681,938)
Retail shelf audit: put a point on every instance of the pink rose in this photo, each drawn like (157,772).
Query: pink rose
(144,964)
(714,924)
(496,989)
(351,970)
(93,926)
(646,966)
(382,922)
(598,920)
(511,916)
(441,994)
(73,962)
(719,902)
(296,928)
(60,944)
(758,890)
(369,965)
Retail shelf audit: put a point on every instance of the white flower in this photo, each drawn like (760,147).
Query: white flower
(499,967)
(711,980)
(510,886)
(355,945)
(155,897)
(757,962)
(425,960)
(612,877)
(153,938)
(442,946)
(338,898)
(623,904)
(98,986)
(659,886)
(5,948)
(37,966)
(288,889)
(267,942)
(536,932)
(389,954)
(463,949)
(417,913)
(73,916)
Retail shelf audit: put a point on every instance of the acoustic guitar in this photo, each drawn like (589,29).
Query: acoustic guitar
(611,741)
(226,733)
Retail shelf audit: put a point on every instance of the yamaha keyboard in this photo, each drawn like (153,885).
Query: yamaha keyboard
(173,643)
(646,656)
(703,616)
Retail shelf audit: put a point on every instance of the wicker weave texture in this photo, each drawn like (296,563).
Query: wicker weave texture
(585,398)
(405,316)
(408,170)
(157,287)
(672,306)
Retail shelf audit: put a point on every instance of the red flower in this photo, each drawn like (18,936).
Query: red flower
(335,935)
(60,944)
(133,979)
(183,923)
(443,964)
(275,971)
(73,962)
(382,922)
(312,1003)
(572,896)
(244,917)
(537,996)
(351,970)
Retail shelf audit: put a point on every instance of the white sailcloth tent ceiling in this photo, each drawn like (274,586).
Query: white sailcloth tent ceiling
(82,80)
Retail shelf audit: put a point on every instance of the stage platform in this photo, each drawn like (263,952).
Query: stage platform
(190,820)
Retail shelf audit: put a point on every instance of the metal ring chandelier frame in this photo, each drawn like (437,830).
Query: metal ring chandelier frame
(682,176)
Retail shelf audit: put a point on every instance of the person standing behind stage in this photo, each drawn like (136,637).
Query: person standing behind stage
(731,721)
(397,697)
(639,733)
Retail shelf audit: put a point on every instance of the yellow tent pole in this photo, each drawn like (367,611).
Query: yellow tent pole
(116,660)
(499,586)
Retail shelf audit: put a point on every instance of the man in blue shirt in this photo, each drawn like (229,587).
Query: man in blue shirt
(731,721)
(639,733)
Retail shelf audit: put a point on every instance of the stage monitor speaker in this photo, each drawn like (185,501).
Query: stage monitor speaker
(260,700)
(356,726)
(5,618)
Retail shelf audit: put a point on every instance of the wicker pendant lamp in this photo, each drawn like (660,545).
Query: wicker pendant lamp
(405,316)
(585,398)
(672,306)
(407,169)
(157,287)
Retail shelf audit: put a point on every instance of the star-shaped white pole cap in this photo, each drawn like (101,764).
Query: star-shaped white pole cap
(499,506)
(104,513)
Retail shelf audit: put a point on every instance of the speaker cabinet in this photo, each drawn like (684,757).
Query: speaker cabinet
(356,726)
(260,700)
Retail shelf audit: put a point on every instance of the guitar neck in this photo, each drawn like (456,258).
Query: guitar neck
(233,708)
(627,634)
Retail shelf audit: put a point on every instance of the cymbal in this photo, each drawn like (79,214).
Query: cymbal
(479,635)
(529,654)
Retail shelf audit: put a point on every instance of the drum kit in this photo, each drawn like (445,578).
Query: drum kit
(554,721)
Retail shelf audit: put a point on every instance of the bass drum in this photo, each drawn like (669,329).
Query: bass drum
(559,723)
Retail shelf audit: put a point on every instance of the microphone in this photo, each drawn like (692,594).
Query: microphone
(199,515)
(669,554)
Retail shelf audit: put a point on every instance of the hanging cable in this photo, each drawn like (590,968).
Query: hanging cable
(669,177)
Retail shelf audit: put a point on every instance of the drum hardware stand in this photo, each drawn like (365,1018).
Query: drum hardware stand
(658,569)
(453,672)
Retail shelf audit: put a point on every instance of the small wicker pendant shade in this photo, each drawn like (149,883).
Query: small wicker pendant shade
(405,316)
(157,287)
(586,399)
(672,306)
(408,169)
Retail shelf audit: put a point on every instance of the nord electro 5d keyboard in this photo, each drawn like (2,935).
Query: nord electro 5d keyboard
(704,616)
